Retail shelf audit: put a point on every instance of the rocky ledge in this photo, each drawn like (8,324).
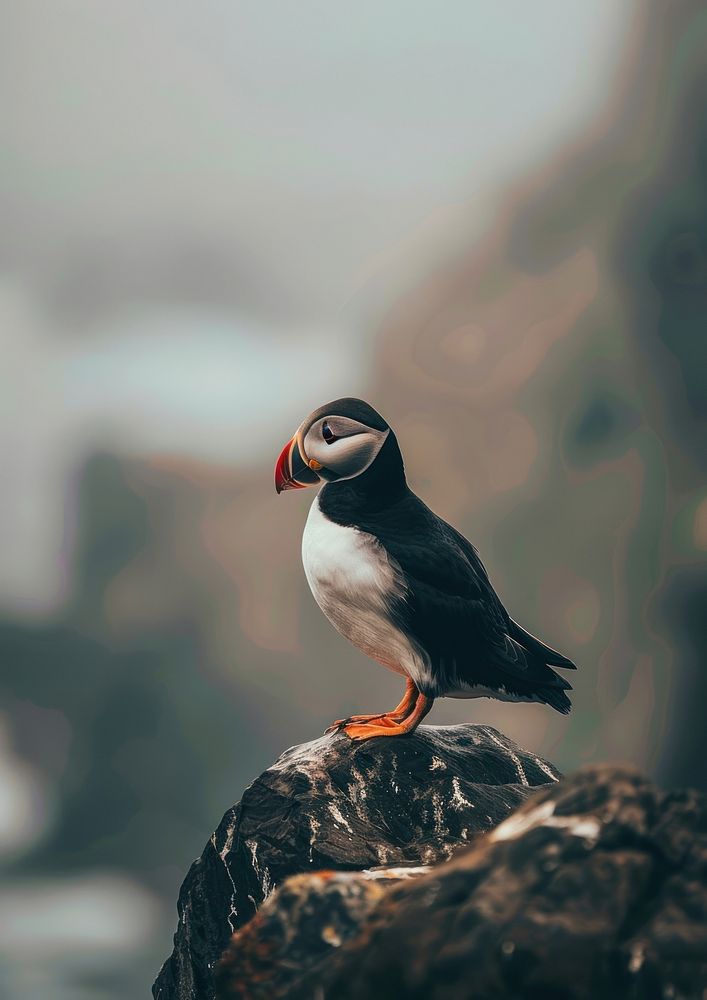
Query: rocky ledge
(597,887)
(345,807)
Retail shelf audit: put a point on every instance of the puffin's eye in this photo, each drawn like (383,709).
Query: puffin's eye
(328,434)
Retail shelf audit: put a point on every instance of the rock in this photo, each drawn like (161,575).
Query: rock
(294,933)
(335,804)
(595,888)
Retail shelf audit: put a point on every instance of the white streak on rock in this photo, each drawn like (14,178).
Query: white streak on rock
(523,778)
(262,874)
(400,872)
(266,883)
(458,798)
(314,827)
(339,817)
(357,791)
(383,853)
(539,762)
(587,827)
(223,855)
(520,822)
(361,784)
(253,848)
(636,957)
(438,813)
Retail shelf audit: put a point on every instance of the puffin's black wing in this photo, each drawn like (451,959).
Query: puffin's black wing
(451,610)
(526,639)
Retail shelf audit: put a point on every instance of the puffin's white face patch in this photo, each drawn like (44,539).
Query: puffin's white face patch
(353,580)
(353,449)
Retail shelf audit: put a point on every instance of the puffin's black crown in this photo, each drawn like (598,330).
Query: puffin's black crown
(355,409)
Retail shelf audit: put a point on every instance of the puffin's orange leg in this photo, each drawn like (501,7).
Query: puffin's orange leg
(400,712)
(367,731)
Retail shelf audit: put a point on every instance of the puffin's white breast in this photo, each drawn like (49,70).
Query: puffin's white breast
(353,580)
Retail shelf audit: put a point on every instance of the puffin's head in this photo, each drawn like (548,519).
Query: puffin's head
(338,441)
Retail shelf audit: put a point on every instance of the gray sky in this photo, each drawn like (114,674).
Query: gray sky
(304,141)
(201,199)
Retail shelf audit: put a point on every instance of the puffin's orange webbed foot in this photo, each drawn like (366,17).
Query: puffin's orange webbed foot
(367,730)
(382,719)
(387,719)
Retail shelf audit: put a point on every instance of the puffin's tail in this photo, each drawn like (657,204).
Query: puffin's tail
(549,687)
(556,698)
(539,650)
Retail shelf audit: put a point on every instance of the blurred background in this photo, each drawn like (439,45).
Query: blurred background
(490,220)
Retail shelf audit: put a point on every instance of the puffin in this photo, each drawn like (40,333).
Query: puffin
(400,583)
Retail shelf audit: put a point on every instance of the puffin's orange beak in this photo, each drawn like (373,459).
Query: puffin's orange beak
(291,471)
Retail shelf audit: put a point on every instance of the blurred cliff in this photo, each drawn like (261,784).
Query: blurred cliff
(213,224)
